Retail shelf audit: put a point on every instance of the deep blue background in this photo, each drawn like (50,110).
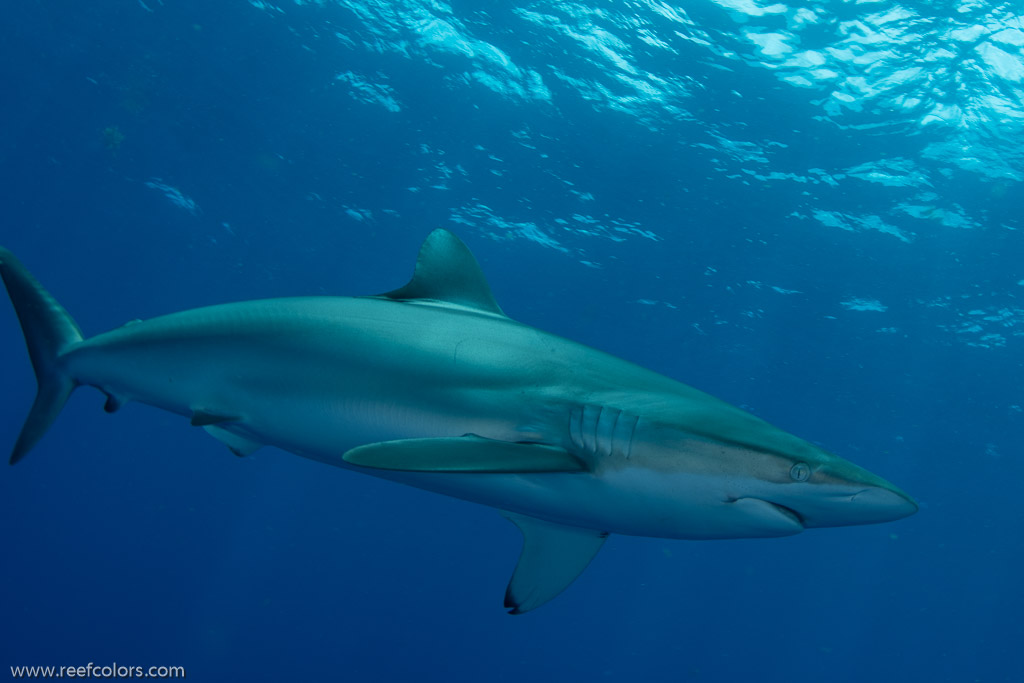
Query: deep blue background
(135,538)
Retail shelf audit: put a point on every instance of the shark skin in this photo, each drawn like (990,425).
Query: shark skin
(432,386)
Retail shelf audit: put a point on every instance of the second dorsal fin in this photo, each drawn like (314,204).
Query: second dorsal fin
(447,271)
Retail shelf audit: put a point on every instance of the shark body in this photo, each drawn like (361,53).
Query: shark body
(431,385)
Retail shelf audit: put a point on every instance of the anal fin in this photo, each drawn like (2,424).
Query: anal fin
(553,556)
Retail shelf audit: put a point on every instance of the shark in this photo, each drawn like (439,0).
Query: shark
(433,386)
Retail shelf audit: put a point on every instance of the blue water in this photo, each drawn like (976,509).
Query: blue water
(810,211)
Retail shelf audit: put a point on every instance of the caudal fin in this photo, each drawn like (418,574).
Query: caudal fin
(49,331)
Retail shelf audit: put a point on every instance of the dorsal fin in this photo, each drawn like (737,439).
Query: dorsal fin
(447,271)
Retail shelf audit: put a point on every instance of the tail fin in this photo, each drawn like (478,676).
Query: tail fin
(49,331)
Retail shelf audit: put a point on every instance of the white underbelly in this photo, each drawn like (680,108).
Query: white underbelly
(634,502)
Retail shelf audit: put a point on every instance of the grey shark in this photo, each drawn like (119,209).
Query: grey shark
(433,386)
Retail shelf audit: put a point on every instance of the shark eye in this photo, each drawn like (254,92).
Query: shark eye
(800,471)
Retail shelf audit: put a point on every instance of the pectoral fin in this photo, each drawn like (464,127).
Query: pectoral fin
(464,454)
(553,556)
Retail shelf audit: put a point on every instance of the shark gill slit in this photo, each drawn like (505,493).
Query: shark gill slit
(591,423)
(576,426)
(627,449)
(602,430)
(605,431)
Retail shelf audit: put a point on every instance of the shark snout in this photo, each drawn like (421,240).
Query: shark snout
(840,493)
(883,504)
(867,505)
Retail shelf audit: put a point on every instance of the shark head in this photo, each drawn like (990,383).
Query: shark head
(758,481)
(827,491)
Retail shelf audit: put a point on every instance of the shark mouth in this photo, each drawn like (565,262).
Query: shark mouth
(778,519)
(788,512)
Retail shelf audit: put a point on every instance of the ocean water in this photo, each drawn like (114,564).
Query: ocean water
(812,211)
